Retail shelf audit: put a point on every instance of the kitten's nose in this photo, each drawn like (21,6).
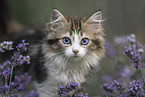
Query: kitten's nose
(75,51)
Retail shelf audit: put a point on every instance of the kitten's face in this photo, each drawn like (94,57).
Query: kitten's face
(75,37)
(75,44)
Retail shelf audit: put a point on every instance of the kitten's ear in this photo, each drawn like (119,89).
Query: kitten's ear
(57,19)
(94,23)
(96,18)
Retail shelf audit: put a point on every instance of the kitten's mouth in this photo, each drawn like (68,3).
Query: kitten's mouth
(76,57)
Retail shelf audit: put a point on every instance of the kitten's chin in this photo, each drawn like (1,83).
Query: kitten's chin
(76,57)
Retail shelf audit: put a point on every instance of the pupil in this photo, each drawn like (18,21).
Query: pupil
(66,40)
(84,40)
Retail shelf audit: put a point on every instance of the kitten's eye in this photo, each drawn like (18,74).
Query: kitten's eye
(84,41)
(66,40)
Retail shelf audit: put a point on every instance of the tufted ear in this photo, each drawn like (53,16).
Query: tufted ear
(94,23)
(57,20)
(96,18)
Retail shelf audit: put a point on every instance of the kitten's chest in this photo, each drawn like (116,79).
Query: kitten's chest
(70,77)
(75,73)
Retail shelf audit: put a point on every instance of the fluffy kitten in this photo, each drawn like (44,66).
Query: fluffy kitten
(71,47)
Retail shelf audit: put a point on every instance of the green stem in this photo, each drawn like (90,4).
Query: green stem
(6,84)
(10,78)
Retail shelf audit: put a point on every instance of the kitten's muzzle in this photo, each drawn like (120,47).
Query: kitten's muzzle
(75,52)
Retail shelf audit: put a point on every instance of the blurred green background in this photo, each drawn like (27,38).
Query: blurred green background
(121,17)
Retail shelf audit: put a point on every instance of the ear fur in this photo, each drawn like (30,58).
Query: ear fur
(95,18)
(94,23)
(57,20)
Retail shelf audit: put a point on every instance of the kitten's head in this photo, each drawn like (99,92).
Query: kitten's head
(75,37)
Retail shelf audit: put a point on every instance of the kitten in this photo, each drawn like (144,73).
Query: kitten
(71,47)
(65,51)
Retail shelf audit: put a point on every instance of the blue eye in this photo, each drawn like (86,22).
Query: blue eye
(66,40)
(84,41)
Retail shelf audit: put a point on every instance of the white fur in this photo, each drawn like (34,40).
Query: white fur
(63,67)
(75,46)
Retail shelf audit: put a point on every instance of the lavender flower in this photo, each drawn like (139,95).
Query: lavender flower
(6,45)
(134,44)
(131,38)
(16,85)
(72,86)
(19,59)
(117,87)
(20,81)
(135,89)
(134,57)
(114,87)
(61,91)
(5,69)
(108,89)
(134,51)
(6,72)
(22,46)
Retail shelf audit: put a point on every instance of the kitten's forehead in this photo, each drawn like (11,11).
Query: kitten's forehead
(76,25)
(79,26)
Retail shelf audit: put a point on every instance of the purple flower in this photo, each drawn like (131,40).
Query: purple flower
(22,46)
(19,82)
(5,69)
(19,59)
(135,57)
(114,87)
(6,45)
(108,89)
(72,86)
(26,59)
(12,87)
(1,50)
(61,91)
(131,38)
(135,89)
(16,85)
(133,51)
(118,88)
(140,50)
(6,72)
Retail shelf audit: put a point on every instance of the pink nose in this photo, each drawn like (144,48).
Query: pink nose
(75,51)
